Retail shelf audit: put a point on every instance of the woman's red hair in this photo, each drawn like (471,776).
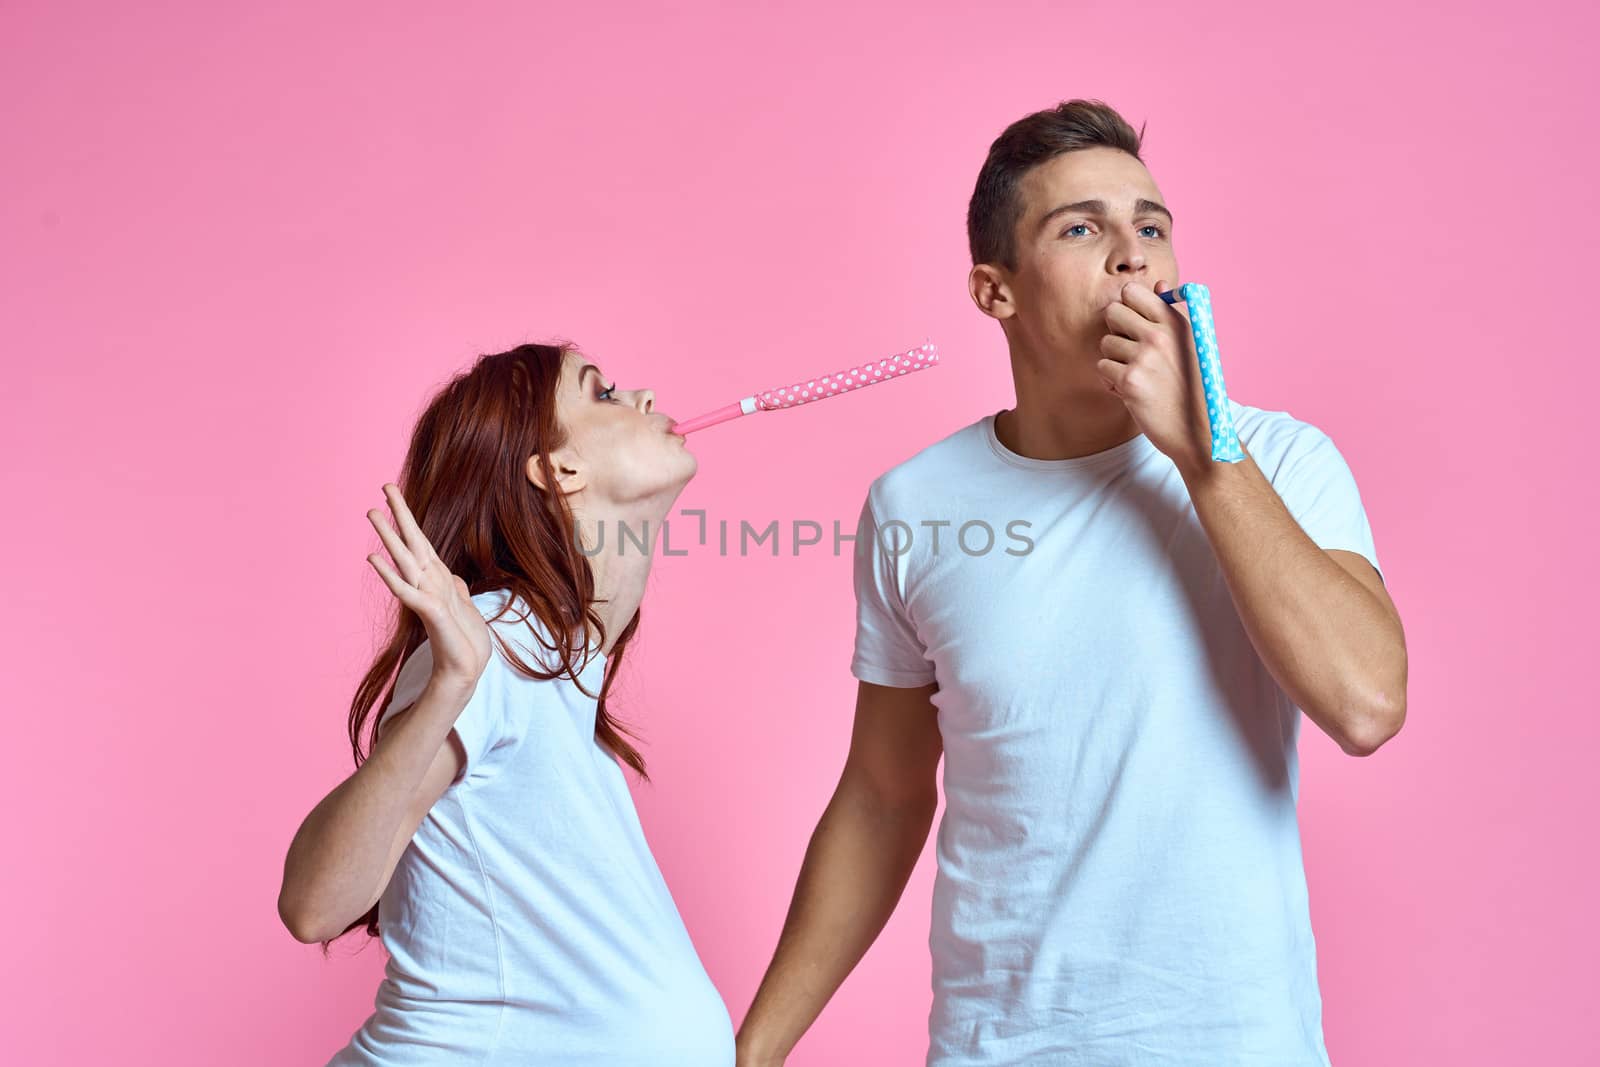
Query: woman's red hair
(465,480)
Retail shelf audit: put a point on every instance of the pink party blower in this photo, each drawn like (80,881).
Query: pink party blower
(806,392)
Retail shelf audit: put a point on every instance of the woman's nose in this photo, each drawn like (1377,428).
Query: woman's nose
(645,399)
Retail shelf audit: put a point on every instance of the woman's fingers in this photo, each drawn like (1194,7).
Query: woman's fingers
(421,582)
(410,569)
(416,574)
(427,607)
(415,539)
(403,590)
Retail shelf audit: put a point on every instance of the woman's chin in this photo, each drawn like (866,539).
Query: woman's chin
(681,473)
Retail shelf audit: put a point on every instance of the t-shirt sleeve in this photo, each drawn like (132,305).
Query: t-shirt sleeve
(483,726)
(1319,490)
(887,649)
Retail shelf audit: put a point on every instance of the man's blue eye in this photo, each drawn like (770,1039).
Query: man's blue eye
(1083,225)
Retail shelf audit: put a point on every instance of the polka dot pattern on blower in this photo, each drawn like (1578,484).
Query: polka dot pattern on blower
(828,385)
(1224,439)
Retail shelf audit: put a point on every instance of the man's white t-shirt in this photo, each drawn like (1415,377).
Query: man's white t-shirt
(528,921)
(1119,869)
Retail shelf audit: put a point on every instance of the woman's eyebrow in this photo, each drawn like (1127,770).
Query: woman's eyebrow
(1098,207)
(585,369)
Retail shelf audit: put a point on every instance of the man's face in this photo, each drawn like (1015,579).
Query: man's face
(1093,220)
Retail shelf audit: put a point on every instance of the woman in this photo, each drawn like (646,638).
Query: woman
(490,828)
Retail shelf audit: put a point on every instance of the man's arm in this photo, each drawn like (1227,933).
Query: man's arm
(861,854)
(1321,621)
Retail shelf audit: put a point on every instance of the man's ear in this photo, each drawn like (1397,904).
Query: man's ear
(569,471)
(987,286)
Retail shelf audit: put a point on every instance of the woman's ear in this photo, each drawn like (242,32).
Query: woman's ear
(569,471)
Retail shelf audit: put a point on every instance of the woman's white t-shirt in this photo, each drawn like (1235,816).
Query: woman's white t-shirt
(528,922)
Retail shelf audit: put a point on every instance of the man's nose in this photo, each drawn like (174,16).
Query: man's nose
(1130,262)
(1129,256)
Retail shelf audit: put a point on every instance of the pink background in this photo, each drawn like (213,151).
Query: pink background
(241,247)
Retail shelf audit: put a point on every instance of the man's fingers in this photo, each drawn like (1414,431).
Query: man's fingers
(1113,372)
(1118,348)
(1143,300)
(1126,321)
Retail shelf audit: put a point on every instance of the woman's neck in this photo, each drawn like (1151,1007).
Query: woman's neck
(620,548)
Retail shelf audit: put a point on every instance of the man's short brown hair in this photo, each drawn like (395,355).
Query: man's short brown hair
(996,205)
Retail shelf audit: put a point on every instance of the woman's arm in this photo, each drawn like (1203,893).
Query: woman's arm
(346,850)
(344,853)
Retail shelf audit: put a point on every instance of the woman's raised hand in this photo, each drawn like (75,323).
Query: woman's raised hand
(457,632)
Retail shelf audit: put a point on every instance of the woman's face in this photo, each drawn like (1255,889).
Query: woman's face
(619,449)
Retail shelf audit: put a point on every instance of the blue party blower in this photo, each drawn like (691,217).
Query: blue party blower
(1224,440)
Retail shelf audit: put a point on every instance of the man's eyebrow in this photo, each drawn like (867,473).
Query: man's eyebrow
(1098,207)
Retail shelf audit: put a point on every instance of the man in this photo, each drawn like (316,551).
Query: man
(1115,684)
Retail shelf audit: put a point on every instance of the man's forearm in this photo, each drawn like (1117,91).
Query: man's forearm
(1330,644)
(856,866)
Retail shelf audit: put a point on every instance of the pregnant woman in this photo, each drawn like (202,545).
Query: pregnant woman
(489,837)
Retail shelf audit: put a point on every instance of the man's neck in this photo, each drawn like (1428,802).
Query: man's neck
(1060,417)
